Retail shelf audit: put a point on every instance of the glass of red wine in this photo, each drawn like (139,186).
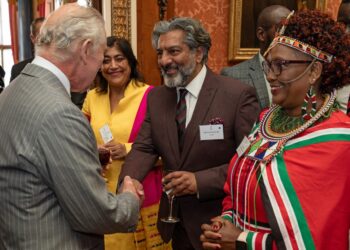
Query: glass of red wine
(170,218)
(104,156)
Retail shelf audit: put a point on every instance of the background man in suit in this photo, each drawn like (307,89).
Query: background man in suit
(178,129)
(343,94)
(51,193)
(2,75)
(76,97)
(34,31)
(250,71)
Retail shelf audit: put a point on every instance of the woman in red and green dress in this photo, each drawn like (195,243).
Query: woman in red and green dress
(288,185)
(119,103)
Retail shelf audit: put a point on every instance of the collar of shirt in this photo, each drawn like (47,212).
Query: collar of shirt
(261,59)
(195,86)
(42,62)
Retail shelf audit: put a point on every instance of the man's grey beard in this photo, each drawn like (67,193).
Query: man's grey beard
(180,80)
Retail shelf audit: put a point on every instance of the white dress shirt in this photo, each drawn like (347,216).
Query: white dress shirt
(193,88)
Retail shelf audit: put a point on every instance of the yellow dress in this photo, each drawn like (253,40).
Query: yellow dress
(97,108)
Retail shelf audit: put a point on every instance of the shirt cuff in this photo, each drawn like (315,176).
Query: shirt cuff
(242,237)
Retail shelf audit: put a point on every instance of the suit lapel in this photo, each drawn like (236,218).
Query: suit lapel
(205,98)
(258,81)
(170,111)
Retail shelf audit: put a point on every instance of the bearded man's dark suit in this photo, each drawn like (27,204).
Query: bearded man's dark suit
(233,103)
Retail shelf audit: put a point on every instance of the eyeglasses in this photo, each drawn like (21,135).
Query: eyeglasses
(278,65)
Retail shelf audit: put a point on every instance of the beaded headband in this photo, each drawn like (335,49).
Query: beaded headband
(298,45)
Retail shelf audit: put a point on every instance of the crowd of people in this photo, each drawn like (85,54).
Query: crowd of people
(254,158)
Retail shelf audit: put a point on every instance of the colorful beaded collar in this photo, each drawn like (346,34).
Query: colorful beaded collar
(267,143)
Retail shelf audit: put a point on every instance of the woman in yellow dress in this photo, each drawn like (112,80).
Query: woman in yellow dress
(119,103)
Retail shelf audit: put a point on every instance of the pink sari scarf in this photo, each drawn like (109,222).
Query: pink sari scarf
(152,183)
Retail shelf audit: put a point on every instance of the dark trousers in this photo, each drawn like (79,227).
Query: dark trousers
(180,240)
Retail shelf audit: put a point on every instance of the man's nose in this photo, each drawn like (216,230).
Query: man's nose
(164,59)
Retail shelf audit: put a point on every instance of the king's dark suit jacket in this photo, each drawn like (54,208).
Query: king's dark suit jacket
(221,97)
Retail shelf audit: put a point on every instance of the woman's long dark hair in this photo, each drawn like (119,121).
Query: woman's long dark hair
(124,46)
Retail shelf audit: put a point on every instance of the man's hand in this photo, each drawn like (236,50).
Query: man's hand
(118,150)
(134,187)
(221,234)
(180,182)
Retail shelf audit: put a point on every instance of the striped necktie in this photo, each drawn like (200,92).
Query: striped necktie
(348,108)
(181,115)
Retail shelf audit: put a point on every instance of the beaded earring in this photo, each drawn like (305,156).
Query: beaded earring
(309,97)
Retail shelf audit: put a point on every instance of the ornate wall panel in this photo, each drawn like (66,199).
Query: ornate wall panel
(121,22)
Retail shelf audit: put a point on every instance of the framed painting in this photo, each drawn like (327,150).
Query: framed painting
(243,43)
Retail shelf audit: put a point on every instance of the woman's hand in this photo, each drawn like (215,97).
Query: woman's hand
(118,150)
(221,234)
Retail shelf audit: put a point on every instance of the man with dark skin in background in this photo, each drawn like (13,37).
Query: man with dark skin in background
(250,71)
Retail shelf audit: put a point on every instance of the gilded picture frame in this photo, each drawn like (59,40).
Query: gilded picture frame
(236,52)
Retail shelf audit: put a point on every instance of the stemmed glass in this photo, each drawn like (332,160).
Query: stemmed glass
(104,157)
(170,218)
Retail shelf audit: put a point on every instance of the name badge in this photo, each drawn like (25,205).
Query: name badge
(211,132)
(106,133)
(243,146)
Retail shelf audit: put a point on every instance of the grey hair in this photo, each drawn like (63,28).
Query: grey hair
(195,35)
(77,24)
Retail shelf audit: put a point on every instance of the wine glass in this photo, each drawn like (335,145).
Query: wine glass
(170,218)
(104,156)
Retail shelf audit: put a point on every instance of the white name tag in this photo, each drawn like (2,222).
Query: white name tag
(211,132)
(243,146)
(106,133)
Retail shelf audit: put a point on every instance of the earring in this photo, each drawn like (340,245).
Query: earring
(309,97)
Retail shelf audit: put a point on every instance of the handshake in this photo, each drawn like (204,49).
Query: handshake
(133,186)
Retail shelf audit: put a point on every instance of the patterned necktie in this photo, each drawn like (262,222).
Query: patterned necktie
(181,115)
(348,109)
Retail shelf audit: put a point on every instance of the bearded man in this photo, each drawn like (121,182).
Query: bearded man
(194,123)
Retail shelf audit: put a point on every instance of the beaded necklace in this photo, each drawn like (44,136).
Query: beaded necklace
(268,143)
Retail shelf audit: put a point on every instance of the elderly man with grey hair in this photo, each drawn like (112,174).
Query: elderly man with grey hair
(194,123)
(51,193)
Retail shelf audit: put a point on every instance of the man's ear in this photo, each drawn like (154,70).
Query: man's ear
(32,38)
(85,50)
(261,34)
